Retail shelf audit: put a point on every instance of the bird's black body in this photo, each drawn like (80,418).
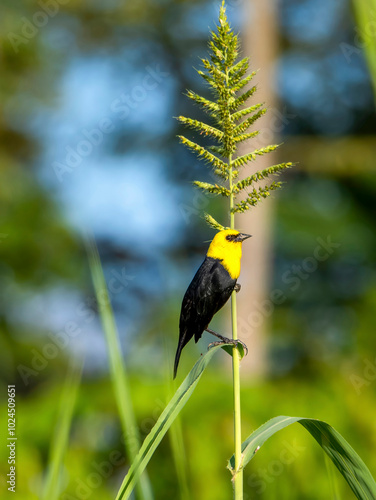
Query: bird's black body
(208,292)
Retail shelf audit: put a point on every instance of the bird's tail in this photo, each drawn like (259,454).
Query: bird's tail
(177,356)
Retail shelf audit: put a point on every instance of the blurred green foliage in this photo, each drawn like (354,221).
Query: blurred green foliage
(322,342)
(290,465)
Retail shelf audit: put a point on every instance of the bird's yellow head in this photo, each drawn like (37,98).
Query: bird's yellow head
(227,247)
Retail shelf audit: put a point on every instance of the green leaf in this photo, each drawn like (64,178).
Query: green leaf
(343,456)
(230,350)
(119,376)
(163,423)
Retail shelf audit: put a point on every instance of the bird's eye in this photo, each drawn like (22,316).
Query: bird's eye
(231,237)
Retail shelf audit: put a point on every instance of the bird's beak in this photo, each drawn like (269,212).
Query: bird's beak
(242,236)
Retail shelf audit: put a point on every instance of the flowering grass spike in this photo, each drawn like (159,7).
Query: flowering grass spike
(231,118)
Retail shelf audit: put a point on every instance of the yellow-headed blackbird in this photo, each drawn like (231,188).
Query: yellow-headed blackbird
(210,288)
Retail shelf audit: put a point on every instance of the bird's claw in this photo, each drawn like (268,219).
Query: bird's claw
(230,341)
(225,340)
(237,287)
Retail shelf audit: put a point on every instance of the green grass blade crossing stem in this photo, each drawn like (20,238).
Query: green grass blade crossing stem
(163,423)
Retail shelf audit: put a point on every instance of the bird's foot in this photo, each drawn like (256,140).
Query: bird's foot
(237,287)
(230,341)
(225,340)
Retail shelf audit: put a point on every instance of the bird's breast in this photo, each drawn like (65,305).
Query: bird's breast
(229,257)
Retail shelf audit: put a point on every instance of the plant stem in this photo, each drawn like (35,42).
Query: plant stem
(238,477)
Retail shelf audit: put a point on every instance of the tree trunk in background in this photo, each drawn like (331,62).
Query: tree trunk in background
(260,39)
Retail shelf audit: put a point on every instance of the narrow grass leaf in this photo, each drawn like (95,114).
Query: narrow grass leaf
(59,442)
(343,456)
(163,423)
(119,375)
(363,10)
(175,434)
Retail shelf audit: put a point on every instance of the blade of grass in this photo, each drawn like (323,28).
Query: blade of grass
(59,442)
(163,423)
(119,375)
(343,456)
(363,10)
(176,436)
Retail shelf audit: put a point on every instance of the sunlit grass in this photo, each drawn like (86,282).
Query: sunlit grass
(118,371)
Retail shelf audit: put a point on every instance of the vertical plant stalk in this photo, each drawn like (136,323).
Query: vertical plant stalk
(238,476)
(228,79)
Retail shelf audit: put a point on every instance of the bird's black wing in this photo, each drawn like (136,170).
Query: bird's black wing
(208,292)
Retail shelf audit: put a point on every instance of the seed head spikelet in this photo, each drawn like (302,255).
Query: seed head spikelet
(231,118)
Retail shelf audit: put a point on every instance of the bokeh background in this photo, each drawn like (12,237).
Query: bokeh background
(88,147)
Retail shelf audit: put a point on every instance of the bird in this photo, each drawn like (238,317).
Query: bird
(210,288)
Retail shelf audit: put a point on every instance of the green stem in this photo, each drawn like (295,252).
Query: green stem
(238,477)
